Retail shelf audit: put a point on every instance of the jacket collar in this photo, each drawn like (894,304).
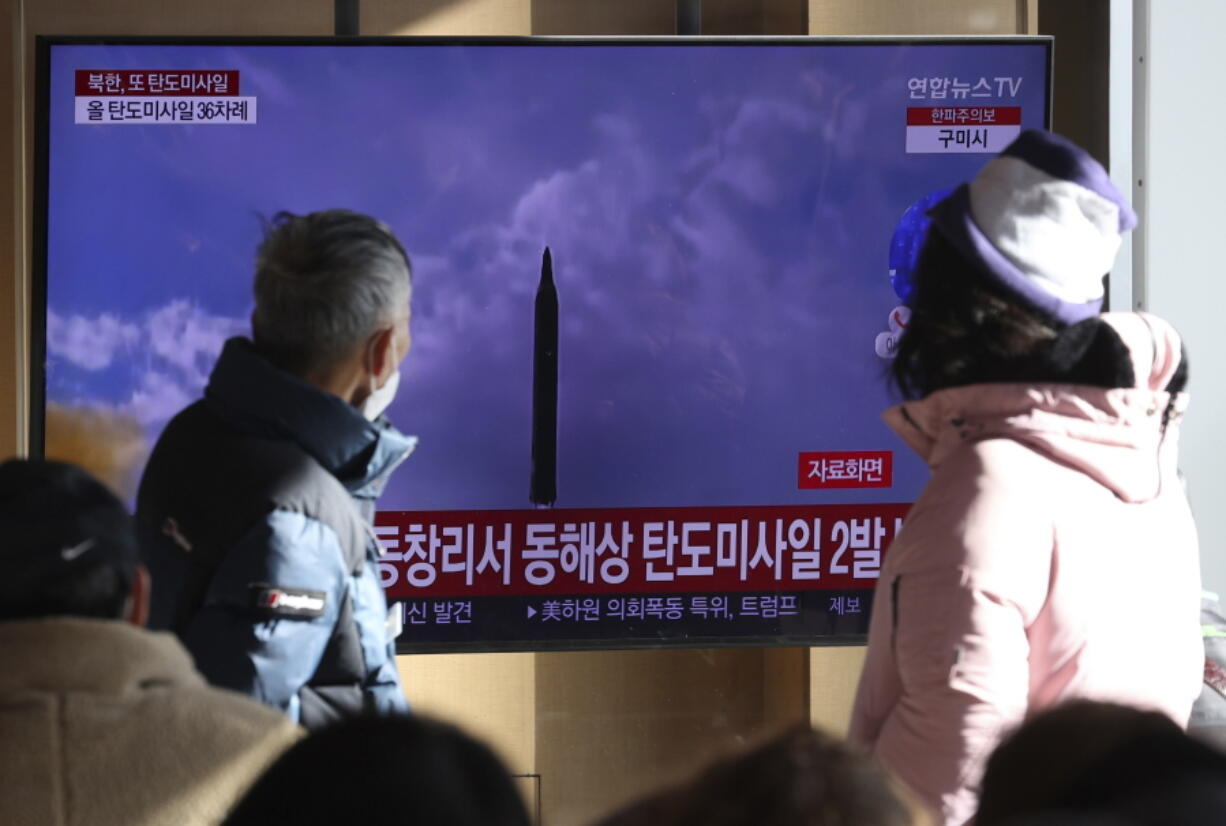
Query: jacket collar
(99,656)
(1115,435)
(255,397)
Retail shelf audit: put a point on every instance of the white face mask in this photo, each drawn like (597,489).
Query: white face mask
(380,398)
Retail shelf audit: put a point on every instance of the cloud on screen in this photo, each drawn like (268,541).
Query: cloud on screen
(188,339)
(164,358)
(687,275)
(89,343)
(684,287)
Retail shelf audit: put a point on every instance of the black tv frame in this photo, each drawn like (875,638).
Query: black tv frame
(37,396)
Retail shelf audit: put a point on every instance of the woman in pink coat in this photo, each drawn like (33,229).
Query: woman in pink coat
(1052,554)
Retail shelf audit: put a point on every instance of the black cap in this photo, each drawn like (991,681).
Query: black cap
(58,523)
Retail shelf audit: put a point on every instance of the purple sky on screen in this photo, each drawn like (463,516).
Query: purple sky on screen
(719,216)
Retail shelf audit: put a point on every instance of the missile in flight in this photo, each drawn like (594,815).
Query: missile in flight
(543,487)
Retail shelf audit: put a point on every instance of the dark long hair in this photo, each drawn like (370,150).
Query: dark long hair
(382,770)
(965,328)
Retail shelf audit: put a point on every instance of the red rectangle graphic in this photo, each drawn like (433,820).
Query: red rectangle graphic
(634,550)
(843,469)
(959,115)
(155,82)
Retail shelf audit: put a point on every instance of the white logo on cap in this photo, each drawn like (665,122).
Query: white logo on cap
(69,554)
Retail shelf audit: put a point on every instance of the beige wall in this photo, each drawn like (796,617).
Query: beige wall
(492,695)
(736,17)
(301,17)
(12,265)
(563,17)
(1079,106)
(613,723)
(921,17)
(833,675)
(446,17)
(658,17)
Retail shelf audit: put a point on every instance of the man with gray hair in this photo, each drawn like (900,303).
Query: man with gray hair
(254,513)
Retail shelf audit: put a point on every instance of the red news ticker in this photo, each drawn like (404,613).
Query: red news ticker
(964,115)
(157,82)
(843,469)
(634,550)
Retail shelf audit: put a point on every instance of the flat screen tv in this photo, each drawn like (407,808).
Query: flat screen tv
(731,225)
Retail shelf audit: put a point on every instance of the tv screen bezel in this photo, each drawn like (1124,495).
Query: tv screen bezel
(37,321)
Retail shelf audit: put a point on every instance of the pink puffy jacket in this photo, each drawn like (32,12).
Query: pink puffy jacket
(1052,555)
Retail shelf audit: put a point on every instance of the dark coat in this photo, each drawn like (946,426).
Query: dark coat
(254,520)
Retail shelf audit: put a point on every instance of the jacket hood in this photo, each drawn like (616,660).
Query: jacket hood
(251,394)
(1114,435)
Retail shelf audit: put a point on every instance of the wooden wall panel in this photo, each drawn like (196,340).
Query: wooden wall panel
(742,17)
(614,725)
(831,17)
(235,17)
(785,687)
(733,17)
(1082,53)
(657,17)
(446,17)
(602,17)
(492,696)
(12,250)
(785,17)
(834,674)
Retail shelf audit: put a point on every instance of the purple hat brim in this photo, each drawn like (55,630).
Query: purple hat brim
(952,218)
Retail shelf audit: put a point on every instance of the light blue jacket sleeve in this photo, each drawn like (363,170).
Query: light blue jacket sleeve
(242,647)
(382,687)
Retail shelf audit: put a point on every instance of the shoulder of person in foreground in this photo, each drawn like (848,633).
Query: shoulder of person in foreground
(226,742)
(146,739)
(396,768)
(1103,760)
(800,778)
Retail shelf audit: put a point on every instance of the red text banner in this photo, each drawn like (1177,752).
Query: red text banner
(634,551)
(845,469)
(958,115)
(155,82)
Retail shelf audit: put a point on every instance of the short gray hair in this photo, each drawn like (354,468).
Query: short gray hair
(323,283)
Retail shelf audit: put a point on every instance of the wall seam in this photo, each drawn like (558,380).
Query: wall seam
(21,262)
(1140,153)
